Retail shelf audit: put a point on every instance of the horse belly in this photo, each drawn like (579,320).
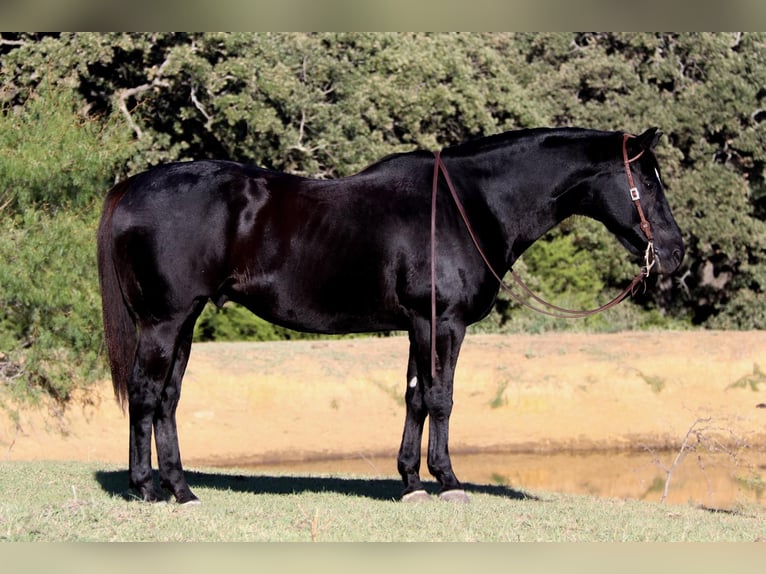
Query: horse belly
(319,308)
(319,265)
(327,295)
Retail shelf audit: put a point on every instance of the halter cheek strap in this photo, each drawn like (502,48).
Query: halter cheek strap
(650,257)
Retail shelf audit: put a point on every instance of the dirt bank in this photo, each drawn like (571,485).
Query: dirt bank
(260,402)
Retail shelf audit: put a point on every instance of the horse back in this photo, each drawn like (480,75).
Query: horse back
(323,256)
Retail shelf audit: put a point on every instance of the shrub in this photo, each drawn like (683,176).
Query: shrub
(54,167)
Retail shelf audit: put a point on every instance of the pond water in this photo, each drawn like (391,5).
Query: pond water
(712,480)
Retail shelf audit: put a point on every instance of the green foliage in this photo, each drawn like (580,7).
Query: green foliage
(576,271)
(50,321)
(78,110)
(54,166)
(235,323)
(750,381)
(52,157)
(655,382)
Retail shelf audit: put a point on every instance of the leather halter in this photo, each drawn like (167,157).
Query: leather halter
(650,257)
(552,310)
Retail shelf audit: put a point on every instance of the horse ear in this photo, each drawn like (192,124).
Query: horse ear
(646,141)
(649,139)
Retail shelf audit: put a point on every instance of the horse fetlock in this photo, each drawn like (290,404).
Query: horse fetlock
(149,493)
(184,496)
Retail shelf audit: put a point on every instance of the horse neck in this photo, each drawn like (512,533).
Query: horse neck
(523,204)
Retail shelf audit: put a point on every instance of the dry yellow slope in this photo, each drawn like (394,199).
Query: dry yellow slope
(260,402)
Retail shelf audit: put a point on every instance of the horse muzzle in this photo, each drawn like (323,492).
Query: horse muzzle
(662,261)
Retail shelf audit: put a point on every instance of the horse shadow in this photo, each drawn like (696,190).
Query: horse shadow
(115,483)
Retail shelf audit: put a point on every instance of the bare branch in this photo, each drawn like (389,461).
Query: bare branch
(123,107)
(3,201)
(200,108)
(300,128)
(125,93)
(4,42)
(299,145)
(681,281)
(683,451)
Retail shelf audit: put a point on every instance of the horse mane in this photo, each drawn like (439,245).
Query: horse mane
(549,136)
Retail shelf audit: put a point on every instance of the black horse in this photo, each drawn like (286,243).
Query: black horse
(351,255)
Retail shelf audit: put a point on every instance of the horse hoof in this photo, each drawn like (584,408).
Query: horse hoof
(417,496)
(192,502)
(454,496)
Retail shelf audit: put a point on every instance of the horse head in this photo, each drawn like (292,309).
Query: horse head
(629,198)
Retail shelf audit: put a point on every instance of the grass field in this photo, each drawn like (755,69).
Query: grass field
(55,501)
(303,401)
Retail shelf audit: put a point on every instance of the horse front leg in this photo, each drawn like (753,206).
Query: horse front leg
(432,397)
(408,461)
(438,400)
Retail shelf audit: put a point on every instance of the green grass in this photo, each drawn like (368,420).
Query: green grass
(752,381)
(88,502)
(655,382)
(499,399)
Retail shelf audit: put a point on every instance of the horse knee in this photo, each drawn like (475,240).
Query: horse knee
(439,403)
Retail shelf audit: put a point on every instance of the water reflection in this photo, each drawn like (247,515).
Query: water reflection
(712,480)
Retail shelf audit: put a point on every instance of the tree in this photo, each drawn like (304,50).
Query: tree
(80,110)
(705,91)
(52,164)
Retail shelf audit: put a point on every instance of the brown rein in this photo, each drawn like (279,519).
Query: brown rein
(552,310)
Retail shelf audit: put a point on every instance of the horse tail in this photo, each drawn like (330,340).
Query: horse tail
(119,328)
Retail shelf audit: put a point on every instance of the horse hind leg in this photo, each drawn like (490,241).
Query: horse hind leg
(153,393)
(150,371)
(171,471)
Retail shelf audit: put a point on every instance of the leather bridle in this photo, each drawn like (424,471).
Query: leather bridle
(650,257)
(549,309)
